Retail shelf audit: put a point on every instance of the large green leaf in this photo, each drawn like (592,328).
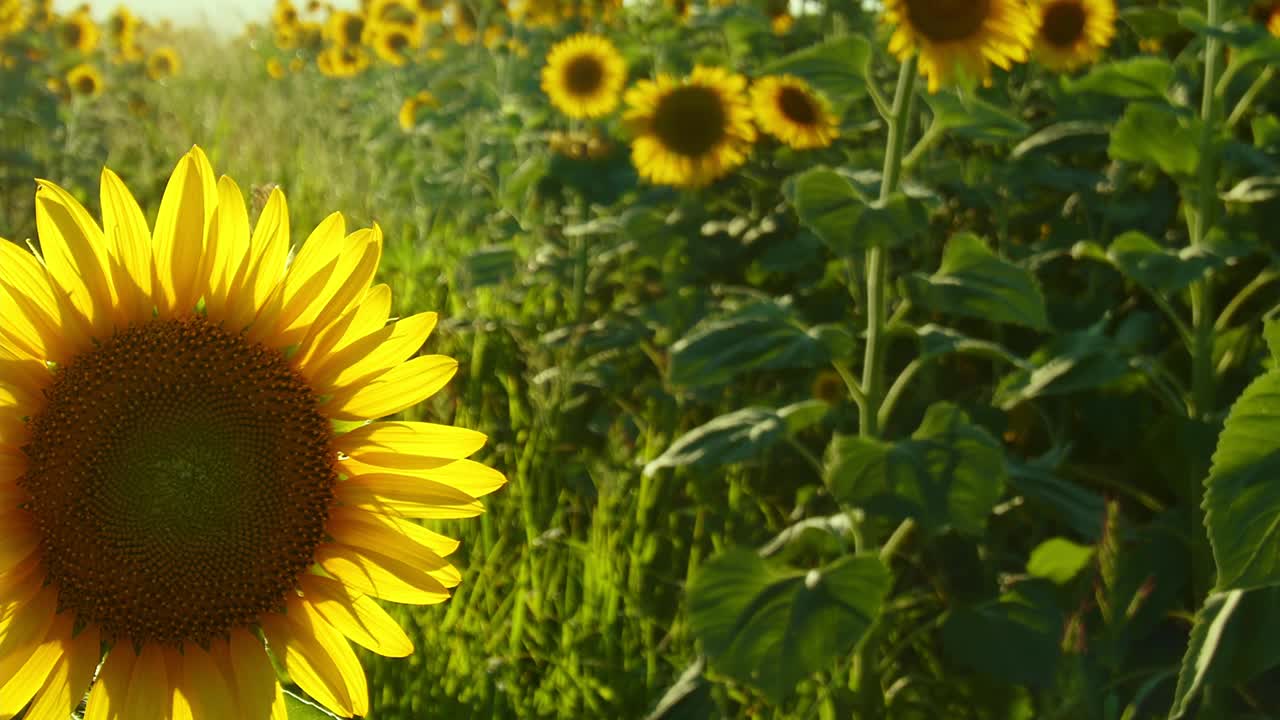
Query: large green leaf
(1068,363)
(762,335)
(837,67)
(1242,497)
(1142,260)
(838,213)
(1232,641)
(734,437)
(1058,560)
(770,625)
(1015,639)
(1156,136)
(975,282)
(967,115)
(950,474)
(1139,78)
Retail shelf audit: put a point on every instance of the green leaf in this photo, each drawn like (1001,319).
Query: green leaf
(1077,506)
(1061,136)
(489,265)
(973,281)
(1058,560)
(1271,333)
(1015,639)
(804,414)
(760,336)
(1154,22)
(837,67)
(1242,496)
(1139,78)
(1142,260)
(299,708)
(1069,363)
(689,698)
(1254,190)
(1203,648)
(770,626)
(1232,642)
(838,213)
(936,340)
(969,116)
(733,437)
(1155,136)
(950,474)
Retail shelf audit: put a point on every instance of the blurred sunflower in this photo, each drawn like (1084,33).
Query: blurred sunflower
(689,132)
(429,10)
(1073,32)
(163,63)
(344,28)
(1267,14)
(285,14)
(829,387)
(342,62)
(584,75)
(462,22)
(205,498)
(957,39)
(13,17)
(275,69)
(779,14)
(85,80)
(408,115)
(78,32)
(788,109)
(393,41)
(121,25)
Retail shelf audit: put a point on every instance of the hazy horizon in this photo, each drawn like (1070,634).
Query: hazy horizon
(221,15)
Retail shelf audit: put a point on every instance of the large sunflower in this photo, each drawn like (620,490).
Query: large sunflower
(689,132)
(584,75)
(1073,32)
(957,38)
(177,480)
(788,109)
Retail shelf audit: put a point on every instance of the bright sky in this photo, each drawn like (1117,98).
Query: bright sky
(223,15)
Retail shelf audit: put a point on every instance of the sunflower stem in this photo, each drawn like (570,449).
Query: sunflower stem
(877,258)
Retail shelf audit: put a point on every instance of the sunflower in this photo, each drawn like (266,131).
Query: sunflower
(342,62)
(344,28)
(779,14)
(78,32)
(85,80)
(408,115)
(284,15)
(689,132)
(957,38)
(828,387)
(176,486)
(1073,32)
(163,63)
(276,69)
(788,109)
(121,26)
(584,75)
(13,17)
(1268,15)
(429,10)
(393,41)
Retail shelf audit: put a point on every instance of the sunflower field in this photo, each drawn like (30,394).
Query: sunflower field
(654,359)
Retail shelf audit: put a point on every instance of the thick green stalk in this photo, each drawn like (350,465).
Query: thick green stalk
(877,259)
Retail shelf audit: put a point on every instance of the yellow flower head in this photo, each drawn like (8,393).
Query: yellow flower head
(175,486)
(1073,32)
(408,115)
(689,132)
(1268,14)
(788,109)
(394,42)
(163,63)
(285,15)
(957,39)
(85,80)
(779,13)
(122,25)
(344,28)
(78,32)
(342,62)
(13,17)
(584,75)
(276,69)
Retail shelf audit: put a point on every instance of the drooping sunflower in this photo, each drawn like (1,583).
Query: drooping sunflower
(175,482)
(1073,32)
(163,63)
(408,115)
(78,32)
(692,131)
(584,75)
(957,39)
(344,28)
(789,109)
(85,80)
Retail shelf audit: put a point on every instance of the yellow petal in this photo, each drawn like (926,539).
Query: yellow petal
(19,541)
(372,355)
(318,658)
(347,286)
(66,685)
(369,314)
(75,253)
(380,576)
(254,677)
(470,477)
(399,539)
(107,698)
(408,497)
(18,688)
(263,269)
(129,246)
(149,694)
(179,238)
(387,442)
(203,683)
(305,280)
(38,321)
(229,243)
(400,387)
(356,616)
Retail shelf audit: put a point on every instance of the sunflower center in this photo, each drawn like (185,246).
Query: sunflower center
(71,35)
(1063,24)
(690,120)
(86,84)
(797,106)
(397,41)
(180,478)
(947,20)
(583,75)
(353,30)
